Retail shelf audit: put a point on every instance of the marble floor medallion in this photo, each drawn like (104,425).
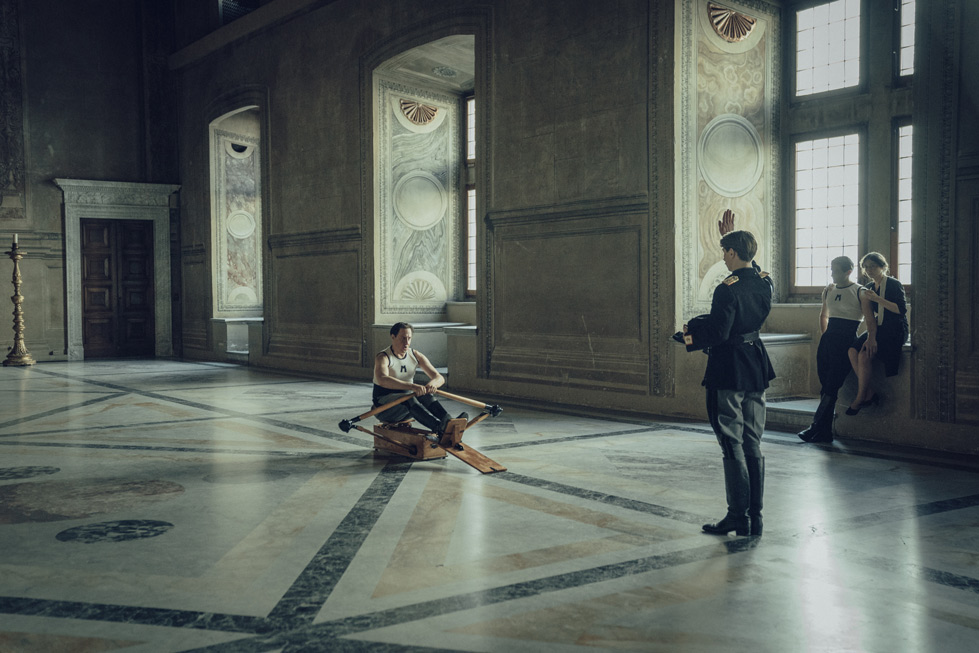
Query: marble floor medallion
(15,473)
(115,531)
(245,476)
(45,501)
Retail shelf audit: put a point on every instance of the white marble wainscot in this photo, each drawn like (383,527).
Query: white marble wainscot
(234,337)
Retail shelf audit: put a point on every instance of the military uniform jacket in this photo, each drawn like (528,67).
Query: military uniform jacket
(740,306)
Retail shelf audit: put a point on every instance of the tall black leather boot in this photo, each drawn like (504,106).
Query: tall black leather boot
(738,493)
(433,405)
(756,485)
(424,417)
(821,429)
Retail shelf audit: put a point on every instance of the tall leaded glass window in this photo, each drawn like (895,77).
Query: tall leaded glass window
(471,241)
(471,129)
(470,262)
(827,211)
(827,47)
(906,59)
(904,204)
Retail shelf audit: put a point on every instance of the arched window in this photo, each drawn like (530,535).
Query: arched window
(424,187)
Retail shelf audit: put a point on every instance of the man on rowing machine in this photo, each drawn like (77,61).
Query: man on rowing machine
(394,374)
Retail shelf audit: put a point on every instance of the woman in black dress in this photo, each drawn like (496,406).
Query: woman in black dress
(839,319)
(885,336)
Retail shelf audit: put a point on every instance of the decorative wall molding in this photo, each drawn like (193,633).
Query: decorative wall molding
(945,361)
(937,347)
(192,251)
(964,250)
(662,246)
(568,211)
(107,200)
(294,341)
(568,365)
(12,151)
(315,239)
(114,193)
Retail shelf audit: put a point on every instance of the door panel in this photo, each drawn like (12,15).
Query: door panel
(117,288)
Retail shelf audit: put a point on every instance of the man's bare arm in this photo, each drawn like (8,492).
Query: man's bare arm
(435,380)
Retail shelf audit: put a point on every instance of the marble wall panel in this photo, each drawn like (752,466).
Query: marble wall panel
(195,316)
(577,301)
(418,202)
(237,224)
(315,300)
(12,163)
(307,286)
(572,106)
(727,98)
(580,324)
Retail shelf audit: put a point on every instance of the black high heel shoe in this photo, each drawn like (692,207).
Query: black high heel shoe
(875,400)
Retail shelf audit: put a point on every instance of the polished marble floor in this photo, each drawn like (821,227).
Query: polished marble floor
(160,506)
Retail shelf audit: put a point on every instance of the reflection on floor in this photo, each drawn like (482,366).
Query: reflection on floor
(163,506)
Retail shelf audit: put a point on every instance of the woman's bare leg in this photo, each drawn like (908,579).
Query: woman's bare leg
(864,369)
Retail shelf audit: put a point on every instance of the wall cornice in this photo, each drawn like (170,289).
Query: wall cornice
(115,193)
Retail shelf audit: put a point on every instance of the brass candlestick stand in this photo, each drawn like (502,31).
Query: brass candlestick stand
(19,354)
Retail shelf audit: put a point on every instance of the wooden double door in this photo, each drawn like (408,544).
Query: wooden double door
(117,288)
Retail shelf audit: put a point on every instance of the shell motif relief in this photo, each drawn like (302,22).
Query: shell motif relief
(730,25)
(418,290)
(419,114)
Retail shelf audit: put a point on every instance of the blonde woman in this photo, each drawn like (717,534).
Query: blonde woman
(885,308)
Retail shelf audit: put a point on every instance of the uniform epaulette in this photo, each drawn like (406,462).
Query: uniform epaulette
(733,279)
(763,274)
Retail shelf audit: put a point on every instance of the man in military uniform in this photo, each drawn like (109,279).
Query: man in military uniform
(738,372)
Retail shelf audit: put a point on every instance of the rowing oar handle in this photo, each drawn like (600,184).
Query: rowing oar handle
(346,424)
(493,410)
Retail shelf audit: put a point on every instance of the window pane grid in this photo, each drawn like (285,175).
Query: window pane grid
(828,47)
(904,204)
(827,190)
(907,37)
(470,129)
(471,240)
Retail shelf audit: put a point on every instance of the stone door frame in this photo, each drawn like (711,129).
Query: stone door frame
(114,200)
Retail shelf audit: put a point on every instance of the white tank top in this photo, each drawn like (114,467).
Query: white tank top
(844,302)
(403,369)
